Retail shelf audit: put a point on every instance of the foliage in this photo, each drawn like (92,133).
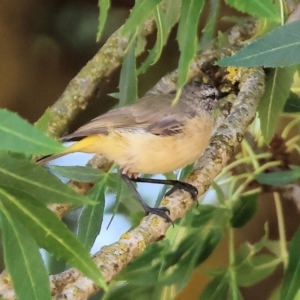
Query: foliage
(26,189)
(164,268)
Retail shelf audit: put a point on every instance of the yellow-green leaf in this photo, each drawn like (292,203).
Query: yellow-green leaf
(36,181)
(187,37)
(17,135)
(278,84)
(22,258)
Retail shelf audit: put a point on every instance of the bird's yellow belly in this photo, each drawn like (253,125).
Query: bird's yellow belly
(139,151)
(143,152)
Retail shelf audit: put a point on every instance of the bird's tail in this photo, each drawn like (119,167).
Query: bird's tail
(88,144)
(43,160)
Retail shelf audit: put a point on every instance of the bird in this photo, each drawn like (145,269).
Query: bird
(151,136)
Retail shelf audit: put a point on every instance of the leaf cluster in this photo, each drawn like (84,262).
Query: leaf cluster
(26,223)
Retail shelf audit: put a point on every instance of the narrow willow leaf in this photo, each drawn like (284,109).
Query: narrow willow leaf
(195,247)
(164,23)
(17,135)
(279,48)
(187,37)
(278,86)
(49,232)
(91,217)
(128,78)
(206,213)
(104,6)
(124,291)
(36,181)
(125,200)
(143,264)
(43,122)
(256,269)
(141,42)
(292,275)
(243,210)
(217,288)
(260,9)
(292,105)
(199,251)
(161,39)
(22,259)
(233,291)
(139,14)
(219,192)
(278,178)
(209,28)
(173,10)
(79,173)
(137,284)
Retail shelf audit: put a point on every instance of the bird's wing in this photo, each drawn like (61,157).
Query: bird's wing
(154,114)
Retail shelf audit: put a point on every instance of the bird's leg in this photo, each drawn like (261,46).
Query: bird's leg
(175,183)
(160,211)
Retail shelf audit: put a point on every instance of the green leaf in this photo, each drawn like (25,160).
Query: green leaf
(243,210)
(164,23)
(279,48)
(36,181)
(234,292)
(207,241)
(216,289)
(255,269)
(161,39)
(137,284)
(17,135)
(139,14)
(187,37)
(278,84)
(219,192)
(257,8)
(292,275)
(292,105)
(43,122)
(125,200)
(279,178)
(145,264)
(22,259)
(49,232)
(104,6)
(195,247)
(209,29)
(128,78)
(91,217)
(172,12)
(206,213)
(79,173)
(124,291)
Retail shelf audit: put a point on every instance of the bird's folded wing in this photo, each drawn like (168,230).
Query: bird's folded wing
(154,114)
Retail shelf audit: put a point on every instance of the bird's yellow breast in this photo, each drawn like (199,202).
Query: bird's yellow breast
(138,151)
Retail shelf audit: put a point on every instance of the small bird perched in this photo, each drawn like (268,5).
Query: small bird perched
(151,136)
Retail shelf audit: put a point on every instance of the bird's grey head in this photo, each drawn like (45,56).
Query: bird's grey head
(199,93)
